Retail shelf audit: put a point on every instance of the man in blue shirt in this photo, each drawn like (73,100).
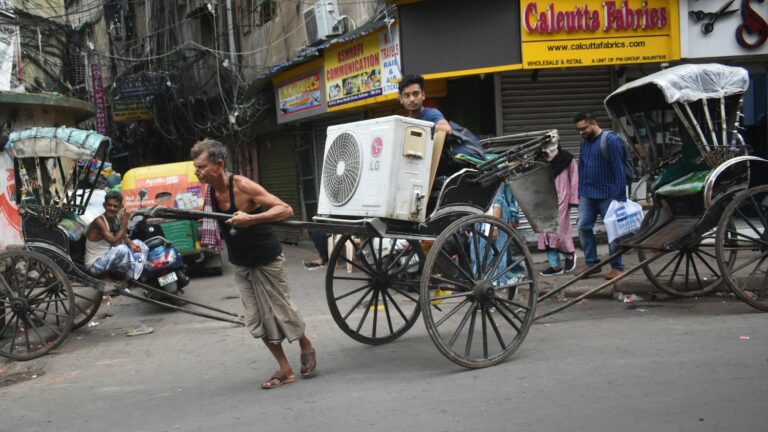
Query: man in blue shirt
(601,180)
(412,97)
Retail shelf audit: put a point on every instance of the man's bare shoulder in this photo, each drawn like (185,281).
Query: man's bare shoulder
(246,185)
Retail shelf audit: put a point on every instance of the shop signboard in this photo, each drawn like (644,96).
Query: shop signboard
(130,110)
(363,71)
(140,85)
(392,73)
(574,33)
(99,99)
(300,92)
(720,28)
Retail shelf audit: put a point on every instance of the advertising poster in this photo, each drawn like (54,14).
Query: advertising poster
(300,94)
(9,211)
(353,71)
(717,28)
(174,191)
(573,33)
(365,70)
(7,54)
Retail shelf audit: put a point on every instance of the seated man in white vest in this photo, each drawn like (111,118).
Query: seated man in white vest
(107,246)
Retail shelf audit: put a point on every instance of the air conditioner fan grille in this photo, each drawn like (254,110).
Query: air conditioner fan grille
(342,168)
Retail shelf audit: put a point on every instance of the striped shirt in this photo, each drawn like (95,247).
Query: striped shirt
(601,178)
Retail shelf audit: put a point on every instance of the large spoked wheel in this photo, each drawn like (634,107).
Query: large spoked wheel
(687,272)
(36,305)
(372,287)
(743,229)
(87,302)
(478,291)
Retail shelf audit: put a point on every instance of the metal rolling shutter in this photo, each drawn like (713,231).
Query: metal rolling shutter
(277,173)
(551,101)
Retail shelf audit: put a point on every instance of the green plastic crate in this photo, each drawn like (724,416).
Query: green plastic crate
(183,234)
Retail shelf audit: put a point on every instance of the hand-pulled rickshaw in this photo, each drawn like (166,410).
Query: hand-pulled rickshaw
(707,223)
(45,291)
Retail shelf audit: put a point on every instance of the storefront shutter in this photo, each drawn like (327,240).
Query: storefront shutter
(549,99)
(277,173)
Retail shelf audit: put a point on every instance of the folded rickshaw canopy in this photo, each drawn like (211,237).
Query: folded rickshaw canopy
(678,84)
(62,142)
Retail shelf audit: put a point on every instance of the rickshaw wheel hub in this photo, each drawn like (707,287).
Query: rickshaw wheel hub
(381,281)
(19,305)
(483,290)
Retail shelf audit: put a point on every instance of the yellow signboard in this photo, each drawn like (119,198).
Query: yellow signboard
(130,110)
(363,71)
(571,33)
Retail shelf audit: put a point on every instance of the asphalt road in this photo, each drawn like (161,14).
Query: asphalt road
(695,365)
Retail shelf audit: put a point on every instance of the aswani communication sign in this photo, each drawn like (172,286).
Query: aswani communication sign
(572,33)
(364,70)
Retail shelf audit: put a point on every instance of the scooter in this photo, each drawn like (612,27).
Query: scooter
(164,268)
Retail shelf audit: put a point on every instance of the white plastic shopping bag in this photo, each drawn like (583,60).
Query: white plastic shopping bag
(622,218)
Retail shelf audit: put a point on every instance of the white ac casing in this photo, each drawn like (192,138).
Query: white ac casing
(322,20)
(377,168)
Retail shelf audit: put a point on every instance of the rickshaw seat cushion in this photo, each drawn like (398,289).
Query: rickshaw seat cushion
(73,227)
(473,161)
(690,184)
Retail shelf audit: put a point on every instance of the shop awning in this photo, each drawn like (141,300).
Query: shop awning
(311,53)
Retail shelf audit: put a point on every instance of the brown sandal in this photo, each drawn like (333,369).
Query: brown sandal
(278,379)
(308,364)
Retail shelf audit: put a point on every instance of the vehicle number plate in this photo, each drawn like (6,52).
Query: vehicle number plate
(166,279)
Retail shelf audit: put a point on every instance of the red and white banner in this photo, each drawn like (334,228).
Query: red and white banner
(99,100)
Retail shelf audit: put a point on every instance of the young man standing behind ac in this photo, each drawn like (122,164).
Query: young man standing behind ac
(412,97)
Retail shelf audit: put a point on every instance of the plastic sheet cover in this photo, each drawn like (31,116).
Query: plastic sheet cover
(62,142)
(684,83)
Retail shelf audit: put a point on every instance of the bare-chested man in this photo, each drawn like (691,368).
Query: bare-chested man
(257,258)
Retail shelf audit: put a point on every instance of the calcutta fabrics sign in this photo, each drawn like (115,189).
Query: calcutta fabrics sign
(98,98)
(574,33)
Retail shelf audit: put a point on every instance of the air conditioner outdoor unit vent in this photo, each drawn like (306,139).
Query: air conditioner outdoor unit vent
(321,21)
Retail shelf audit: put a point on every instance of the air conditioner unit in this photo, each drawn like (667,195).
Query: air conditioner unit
(320,21)
(377,168)
(116,30)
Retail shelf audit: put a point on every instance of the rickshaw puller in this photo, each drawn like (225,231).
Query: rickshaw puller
(257,259)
